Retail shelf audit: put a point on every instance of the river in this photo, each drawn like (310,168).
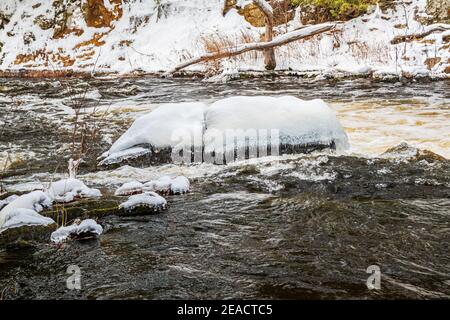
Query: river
(305,226)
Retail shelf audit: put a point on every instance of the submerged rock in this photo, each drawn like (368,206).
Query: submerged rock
(38,233)
(406,151)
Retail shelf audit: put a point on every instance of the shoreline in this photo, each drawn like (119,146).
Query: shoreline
(240,75)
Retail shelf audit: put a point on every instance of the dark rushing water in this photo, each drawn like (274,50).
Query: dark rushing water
(303,228)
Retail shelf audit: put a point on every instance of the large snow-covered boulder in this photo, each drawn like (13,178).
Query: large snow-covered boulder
(194,132)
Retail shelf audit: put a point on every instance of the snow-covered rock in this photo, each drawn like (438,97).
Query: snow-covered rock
(35,201)
(179,185)
(168,185)
(20,217)
(150,200)
(225,125)
(66,190)
(85,228)
(7,200)
(130,188)
(298,123)
(161,185)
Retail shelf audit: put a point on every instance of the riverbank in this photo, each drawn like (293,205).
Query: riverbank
(126,39)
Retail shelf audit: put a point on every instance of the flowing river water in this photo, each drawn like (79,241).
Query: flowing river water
(305,226)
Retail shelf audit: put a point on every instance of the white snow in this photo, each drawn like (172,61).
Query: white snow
(66,190)
(151,200)
(130,188)
(161,185)
(164,127)
(36,201)
(179,185)
(20,217)
(7,201)
(299,122)
(87,226)
(166,184)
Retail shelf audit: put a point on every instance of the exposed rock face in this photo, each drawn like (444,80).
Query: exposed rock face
(283,12)
(97,15)
(439,10)
(94,12)
(44,22)
(4,20)
(63,14)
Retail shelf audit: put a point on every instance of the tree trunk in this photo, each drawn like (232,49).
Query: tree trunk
(269,54)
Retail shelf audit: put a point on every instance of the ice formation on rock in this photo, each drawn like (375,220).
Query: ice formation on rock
(85,228)
(150,200)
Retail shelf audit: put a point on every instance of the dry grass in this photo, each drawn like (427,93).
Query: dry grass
(217,43)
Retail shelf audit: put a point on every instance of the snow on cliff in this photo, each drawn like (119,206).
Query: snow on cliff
(147,36)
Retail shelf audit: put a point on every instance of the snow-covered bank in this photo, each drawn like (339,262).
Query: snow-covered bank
(144,36)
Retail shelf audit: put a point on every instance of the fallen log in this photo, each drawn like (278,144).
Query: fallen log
(243,48)
(421,35)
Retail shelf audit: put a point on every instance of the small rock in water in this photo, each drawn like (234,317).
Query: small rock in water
(167,185)
(35,201)
(406,151)
(24,217)
(78,230)
(146,201)
(179,185)
(67,190)
(130,188)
